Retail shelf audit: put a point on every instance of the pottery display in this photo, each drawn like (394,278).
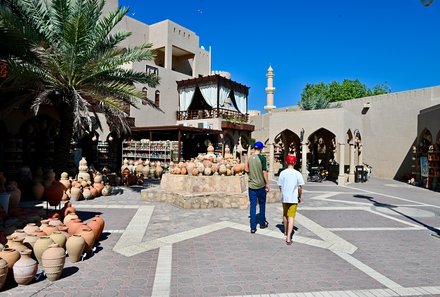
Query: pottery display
(53,260)
(25,268)
(75,246)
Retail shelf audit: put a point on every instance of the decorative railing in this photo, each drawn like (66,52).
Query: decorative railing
(228,115)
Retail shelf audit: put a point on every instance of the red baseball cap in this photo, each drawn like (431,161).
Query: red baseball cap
(290,159)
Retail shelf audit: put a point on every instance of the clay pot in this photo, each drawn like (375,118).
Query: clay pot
(87,194)
(44,224)
(17,244)
(69,217)
(222,169)
(59,238)
(10,256)
(101,221)
(69,210)
(30,240)
(74,225)
(195,171)
(75,247)
(50,229)
(63,229)
(89,238)
(98,178)
(3,271)
(55,222)
(19,233)
(65,180)
(94,192)
(158,171)
(40,233)
(53,260)
(38,190)
(41,245)
(14,195)
(105,191)
(98,187)
(30,228)
(75,194)
(54,193)
(96,228)
(146,171)
(25,269)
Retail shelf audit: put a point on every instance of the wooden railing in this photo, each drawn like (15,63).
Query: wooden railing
(229,115)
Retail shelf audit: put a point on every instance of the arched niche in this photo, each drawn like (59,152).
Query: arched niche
(321,147)
(287,142)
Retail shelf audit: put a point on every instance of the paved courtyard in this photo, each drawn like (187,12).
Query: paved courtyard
(368,239)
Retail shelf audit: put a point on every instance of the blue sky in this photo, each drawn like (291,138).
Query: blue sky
(375,41)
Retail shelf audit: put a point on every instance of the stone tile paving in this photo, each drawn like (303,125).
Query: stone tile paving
(410,258)
(230,262)
(349,218)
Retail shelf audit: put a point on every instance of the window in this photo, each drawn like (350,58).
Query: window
(151,70)
(157,98)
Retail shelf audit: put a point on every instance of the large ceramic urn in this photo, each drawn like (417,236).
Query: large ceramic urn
(54,193)
(41,245)
(53,260)
(25,268)
(75,247)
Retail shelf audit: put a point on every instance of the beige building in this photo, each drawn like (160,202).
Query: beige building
(378,130)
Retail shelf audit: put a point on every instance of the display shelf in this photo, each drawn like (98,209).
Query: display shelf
(162,150)
(107,156)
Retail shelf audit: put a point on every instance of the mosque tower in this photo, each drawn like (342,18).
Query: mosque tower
(270,90)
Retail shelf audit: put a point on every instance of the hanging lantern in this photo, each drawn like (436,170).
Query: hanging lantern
(427,3)
(4,69)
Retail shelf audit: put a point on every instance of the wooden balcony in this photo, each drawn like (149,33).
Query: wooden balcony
(214,113)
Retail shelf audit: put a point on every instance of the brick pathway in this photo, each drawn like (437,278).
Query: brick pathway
(370,239)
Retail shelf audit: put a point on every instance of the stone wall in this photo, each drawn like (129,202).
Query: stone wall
(204,192)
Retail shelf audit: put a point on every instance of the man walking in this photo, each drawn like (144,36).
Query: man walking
(256,168)
(290,182)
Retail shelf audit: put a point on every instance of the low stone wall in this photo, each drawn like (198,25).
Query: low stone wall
(204,192)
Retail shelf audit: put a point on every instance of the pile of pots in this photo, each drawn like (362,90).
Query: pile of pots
(45,243)
(210,164)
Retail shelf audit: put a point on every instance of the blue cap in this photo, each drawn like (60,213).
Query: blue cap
(258,145)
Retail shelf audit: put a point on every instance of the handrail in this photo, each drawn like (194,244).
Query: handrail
(213,113)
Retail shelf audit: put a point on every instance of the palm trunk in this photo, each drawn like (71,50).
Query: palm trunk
(62,154)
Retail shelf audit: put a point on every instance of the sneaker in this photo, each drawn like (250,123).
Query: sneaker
(266,224)
(253,231)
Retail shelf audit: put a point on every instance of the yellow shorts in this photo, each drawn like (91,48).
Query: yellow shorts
(289,209)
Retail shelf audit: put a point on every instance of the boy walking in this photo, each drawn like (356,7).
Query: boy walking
(256,168)
(290,183)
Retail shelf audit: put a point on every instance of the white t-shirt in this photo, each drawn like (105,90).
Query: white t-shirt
(289,181)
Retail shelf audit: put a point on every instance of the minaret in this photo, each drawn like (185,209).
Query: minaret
(270,90)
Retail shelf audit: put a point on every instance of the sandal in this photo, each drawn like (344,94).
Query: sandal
(288,242)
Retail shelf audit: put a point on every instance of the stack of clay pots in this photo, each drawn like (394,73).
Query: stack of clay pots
(46,244)
(86,186)
(210,164)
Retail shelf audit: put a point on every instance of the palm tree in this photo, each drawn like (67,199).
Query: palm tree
(65,53)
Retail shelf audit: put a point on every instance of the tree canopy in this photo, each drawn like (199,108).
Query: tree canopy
(66,54)
(335,92)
